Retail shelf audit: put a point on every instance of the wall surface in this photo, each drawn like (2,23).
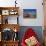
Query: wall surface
(27,4)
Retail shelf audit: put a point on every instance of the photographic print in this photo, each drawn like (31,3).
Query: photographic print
(5,12)
(29,13)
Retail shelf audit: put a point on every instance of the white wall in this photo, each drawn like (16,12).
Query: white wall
(27,4)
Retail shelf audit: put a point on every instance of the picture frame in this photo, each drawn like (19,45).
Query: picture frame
(5,12)
(13,12)
(29,13)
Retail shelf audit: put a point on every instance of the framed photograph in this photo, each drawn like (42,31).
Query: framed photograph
(29,13)
(13,12)
(5,12)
